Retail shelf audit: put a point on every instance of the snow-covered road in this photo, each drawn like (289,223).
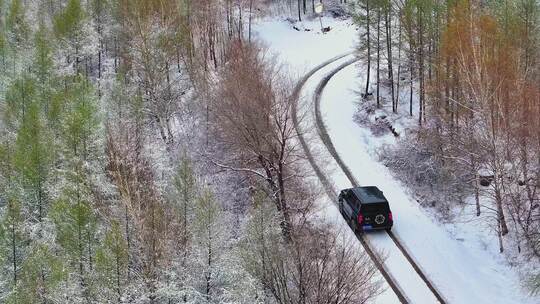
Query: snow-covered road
(404,280)
(316,150)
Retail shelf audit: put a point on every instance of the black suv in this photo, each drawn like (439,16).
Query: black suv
(365,208)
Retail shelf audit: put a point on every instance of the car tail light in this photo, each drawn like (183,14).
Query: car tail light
(360,219)
(390,218)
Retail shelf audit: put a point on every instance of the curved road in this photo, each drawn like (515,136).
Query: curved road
(329,188)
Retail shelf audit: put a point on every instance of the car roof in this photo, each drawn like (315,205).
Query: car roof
(369,195)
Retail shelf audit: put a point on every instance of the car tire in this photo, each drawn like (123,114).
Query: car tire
(389,229)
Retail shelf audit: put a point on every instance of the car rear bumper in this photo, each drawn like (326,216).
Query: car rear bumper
(371,227)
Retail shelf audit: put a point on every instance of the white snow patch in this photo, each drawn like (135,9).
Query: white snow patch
(303,50)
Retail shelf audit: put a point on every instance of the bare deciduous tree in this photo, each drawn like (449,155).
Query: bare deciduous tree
(254,123)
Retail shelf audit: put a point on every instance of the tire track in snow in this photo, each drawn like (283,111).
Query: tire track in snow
(321,128)
(328,186)
(323,133)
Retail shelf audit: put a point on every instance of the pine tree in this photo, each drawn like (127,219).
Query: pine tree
(16,23)
(33,156)
(71,28)
(20,94)
(3,47)
(210,235)
(111,264)
(45,86)
(41,274)
(81,120)
(68,23)
(43,61)
(185,186)
(100,10)
(262,249)
(11,245)
(76,226)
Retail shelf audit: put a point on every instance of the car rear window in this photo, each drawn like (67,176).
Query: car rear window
(375,207)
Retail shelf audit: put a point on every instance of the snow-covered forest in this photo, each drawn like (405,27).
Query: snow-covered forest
(468,72)
(148,149)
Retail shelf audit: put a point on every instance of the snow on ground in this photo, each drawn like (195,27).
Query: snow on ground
(302,50)
(328,212)
(412,285)
(464,270)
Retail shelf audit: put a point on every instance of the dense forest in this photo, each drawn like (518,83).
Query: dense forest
(469,73)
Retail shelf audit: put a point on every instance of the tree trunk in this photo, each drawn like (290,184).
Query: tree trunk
(500,212)
(40,201)
(388,23)
(411,78)
(14,251)
(118,287)
(399,66)
(474,167)
(240,22)
(208,275)
(499,236)
(299,10)
(286,225)
(250,19)
(128,243)
(368,48)
(228,16)
(420,67)
(378,56)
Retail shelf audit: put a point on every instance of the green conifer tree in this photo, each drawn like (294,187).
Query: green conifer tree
(112,263)
(81,118)
(16,23)
(43,62)
(11,245)
(185,186)
(76,228)
(33,156)
(41,274)
(68,22)
(19,95)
